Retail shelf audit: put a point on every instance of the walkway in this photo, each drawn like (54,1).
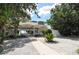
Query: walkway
(43,49)
(27,46)
(63,45)
(21,46)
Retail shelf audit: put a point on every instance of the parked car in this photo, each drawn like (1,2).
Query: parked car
(23,33)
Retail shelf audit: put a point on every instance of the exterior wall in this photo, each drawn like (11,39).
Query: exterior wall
(33,32)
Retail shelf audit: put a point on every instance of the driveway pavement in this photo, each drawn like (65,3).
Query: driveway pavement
(63,45)
(27,46)
(20,46)
(37,46)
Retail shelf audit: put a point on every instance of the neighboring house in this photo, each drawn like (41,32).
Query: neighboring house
(32,28)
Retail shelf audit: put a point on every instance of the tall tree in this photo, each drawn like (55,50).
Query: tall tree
(65,18)
(12,13)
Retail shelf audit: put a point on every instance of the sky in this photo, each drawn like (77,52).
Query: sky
(43,11)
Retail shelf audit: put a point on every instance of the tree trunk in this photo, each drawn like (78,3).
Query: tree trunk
(2,35)
(15,31)
(1,39)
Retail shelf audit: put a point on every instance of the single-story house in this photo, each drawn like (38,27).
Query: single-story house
(32,28)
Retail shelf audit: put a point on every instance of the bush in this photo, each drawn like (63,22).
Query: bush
(64,32)
(48,35)
(46,31)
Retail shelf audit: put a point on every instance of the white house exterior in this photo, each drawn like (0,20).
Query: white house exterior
(32,28)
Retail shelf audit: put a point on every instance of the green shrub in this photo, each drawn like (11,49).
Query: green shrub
(48,34)
(46,31)
(49,37)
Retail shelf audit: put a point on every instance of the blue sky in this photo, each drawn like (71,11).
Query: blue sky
(43,11)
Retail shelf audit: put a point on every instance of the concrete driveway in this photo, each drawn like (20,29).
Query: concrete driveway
(20,46)
(64,45)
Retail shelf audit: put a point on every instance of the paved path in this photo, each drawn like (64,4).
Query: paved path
(64,45)
(19,47)
(33,46)
(43,49)
(27,46)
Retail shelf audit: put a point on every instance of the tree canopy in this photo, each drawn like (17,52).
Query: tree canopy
(64,18)
(12,13)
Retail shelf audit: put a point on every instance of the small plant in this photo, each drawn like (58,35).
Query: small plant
(48,35)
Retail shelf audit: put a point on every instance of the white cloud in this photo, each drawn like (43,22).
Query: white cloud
(46,9)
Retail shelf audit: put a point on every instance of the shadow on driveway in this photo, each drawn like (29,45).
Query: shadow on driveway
(10,45)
